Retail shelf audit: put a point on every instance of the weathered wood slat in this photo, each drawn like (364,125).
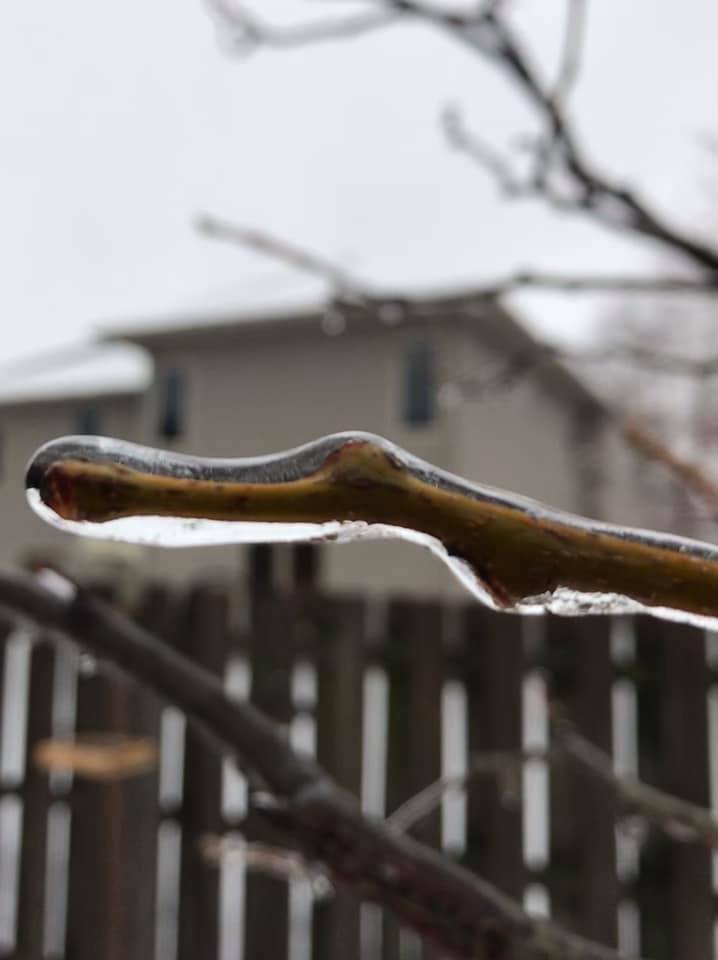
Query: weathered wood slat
(101,871)
(204,639)
(676,885)
(493,665)
(584,887)
(415,666)
(36,803)
(266,931)
(340,676)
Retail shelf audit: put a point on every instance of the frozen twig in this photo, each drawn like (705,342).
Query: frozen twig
(511,552)
(682,821)
(246,31)
(564,175)
(693,476)
(576,11)
(678,818)
(342,284)
(461,913)
(504,765)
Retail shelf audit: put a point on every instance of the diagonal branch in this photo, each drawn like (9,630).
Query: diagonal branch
(682,821)
(512,553)
(354,289)
(246,31)
(462,914)
(340,281)
(576,15)
(563,174)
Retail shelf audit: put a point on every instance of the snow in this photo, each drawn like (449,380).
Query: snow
(86,370)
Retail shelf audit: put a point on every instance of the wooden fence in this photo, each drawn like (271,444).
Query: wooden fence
(391,696)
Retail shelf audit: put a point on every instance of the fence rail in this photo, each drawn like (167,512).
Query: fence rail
(390,697)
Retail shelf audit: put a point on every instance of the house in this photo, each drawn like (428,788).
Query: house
(449,379)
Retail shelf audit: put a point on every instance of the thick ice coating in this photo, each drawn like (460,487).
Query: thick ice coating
(512,552)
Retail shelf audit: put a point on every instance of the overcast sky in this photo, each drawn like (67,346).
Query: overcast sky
(120,122)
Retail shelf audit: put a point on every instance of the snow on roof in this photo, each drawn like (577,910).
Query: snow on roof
(285,298)
(85,370)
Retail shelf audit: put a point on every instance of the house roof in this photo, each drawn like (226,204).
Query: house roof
(483,315)
(92,370)
(119,363)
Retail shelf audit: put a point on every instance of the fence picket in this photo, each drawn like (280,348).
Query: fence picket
(113,849)
(676,884)
(340,667)
(493,670)
(205,641)
(266,932)
(414,658)
(584,887)
(36,803)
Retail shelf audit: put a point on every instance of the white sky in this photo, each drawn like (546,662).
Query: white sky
(120,122)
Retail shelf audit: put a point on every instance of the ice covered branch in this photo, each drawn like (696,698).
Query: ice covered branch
(462,914)
(514,554)
(348,286)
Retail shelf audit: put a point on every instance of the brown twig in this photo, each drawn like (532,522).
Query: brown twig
(678,818)
(459,912)
(352,291)
(692,475)
(504,765)
(681,820)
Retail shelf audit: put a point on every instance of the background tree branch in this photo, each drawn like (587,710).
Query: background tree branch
(461,913)
(562,173)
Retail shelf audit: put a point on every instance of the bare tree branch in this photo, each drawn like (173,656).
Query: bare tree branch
(563,174)
(679,819)
(339,280)
(504,765)
(692,475)
(353,288)
(245,31)
(511,552)
(461,913)
(576,15)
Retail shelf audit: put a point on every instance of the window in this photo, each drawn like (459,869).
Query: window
(171,405)
(88,420)
(418,386)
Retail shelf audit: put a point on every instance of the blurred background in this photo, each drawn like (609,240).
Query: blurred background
(229,229)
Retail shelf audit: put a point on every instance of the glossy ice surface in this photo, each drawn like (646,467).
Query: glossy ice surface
(513,553)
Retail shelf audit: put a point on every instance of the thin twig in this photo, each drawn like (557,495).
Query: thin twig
(246,31)
(564,177)
(355,289)
(574,34)
(461,913)
(339,280)
(682,821)
(504,765)
(692,475)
